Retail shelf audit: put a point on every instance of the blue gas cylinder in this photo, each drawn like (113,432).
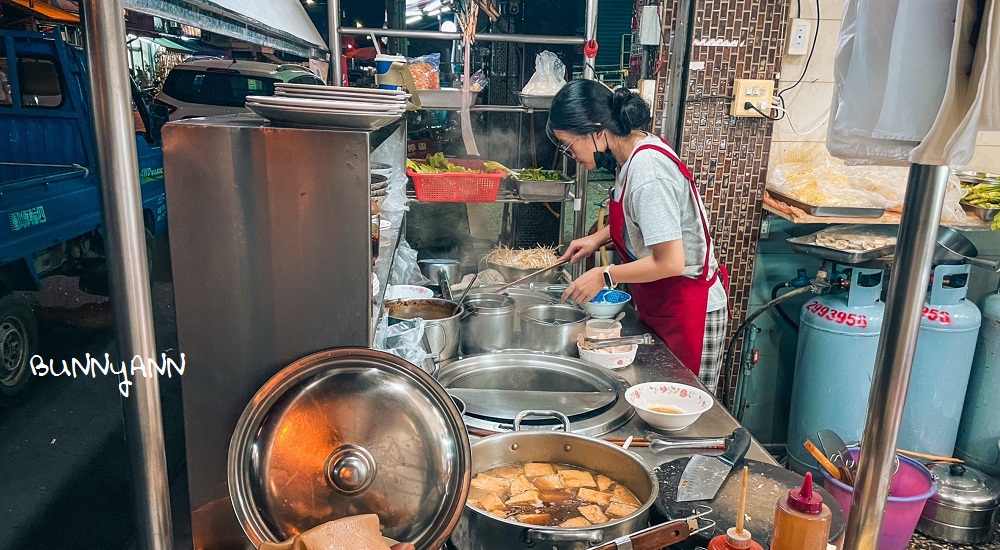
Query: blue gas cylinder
(942,364)
(979,433)
(838,342)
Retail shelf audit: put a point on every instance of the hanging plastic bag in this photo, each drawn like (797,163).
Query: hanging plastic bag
(405,339)
(405,264)
(549,77)
(426,71)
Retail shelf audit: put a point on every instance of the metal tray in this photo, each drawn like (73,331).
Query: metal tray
(535,190)
(445,98)
(807,245)
(986,214)
(967,176)
(535,101)
(829,211)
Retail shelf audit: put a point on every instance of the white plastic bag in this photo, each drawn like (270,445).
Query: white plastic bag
(549,77)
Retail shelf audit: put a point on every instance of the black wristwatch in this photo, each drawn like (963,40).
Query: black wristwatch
(607,278)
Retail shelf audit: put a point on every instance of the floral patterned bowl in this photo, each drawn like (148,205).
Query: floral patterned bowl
(668,406)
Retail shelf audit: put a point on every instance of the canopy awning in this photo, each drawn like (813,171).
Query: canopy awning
(171,45)
(280,24)
(46,12)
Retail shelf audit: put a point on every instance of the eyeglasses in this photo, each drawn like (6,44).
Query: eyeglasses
(565,148)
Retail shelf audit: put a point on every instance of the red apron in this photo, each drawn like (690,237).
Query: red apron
(675,307)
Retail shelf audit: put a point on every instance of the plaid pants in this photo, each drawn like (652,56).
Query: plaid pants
(713,347)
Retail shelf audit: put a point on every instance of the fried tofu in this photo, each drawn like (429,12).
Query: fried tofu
(575,522)
(577,478)
(475,504)
(620,510)
(593,513)
(490,483)
(502,514)
(596,497)
(520,485)
(527,497)
(534,519)
(548,483)
(508,472)
(491,502)
(621,494)
(538,469)
(604,482)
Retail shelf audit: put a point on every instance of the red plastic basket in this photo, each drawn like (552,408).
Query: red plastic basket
(458,186)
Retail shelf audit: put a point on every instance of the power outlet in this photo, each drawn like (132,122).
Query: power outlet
(798,36)
(760,93)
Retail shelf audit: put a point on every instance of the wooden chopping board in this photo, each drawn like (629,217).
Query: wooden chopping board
(766,485)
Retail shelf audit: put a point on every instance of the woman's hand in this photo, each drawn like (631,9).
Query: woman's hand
(580,248)
(586,287)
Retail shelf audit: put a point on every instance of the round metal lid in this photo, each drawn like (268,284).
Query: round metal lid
(965,488)
(345,432)
(591,396)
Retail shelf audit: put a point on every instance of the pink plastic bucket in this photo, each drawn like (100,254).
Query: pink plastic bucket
(910,488)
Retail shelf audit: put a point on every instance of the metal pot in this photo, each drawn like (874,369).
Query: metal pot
(522,296)
(511,274)
(431,269)
(965,507)
(478,530)
(553,328)
(443,328)
(488,324)
(955,248)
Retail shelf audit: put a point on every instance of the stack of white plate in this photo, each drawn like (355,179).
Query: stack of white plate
(330,106)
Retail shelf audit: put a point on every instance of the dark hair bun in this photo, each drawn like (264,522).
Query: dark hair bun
(630,110)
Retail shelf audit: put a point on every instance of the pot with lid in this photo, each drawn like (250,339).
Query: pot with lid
(488,324)
(345,432)
(481,530)
(964,509)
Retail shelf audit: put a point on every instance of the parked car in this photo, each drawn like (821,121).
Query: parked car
(206,87)
(50,186)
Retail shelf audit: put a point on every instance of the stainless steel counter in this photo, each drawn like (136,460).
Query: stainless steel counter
(656,363)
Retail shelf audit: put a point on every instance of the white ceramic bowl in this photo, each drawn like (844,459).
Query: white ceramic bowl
(692,401)
(609,360)
(606,310)
(394,292)
(602,328)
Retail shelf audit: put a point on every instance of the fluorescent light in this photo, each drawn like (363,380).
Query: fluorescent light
(310,2)
(414,19)
(358,24)
(414,13)
(434,12)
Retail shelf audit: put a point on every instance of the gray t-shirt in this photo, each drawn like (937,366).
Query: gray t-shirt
(660,207)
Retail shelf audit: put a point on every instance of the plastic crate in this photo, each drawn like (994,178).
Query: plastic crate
(458,186)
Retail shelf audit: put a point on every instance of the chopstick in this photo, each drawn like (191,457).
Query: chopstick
(530,275)
(933,458)
(823,460)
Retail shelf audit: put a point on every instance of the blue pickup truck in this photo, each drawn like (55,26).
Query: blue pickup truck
(50,197)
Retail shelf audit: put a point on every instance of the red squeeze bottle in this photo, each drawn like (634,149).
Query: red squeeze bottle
(733,540)
(801,521)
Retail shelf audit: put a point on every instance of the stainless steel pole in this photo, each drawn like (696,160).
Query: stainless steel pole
(127,268)
(333,27)
(918,231)
(582,177)
(484,37)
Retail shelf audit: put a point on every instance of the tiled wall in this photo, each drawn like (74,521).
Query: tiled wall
(728,156)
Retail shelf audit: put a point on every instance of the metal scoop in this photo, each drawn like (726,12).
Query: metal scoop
(645,339)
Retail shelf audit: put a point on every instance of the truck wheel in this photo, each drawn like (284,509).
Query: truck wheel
(18,342)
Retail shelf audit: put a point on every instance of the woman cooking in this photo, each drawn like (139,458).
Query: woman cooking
(657,222)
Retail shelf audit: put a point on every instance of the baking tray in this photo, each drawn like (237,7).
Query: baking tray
(829,211)
(807,245)
(535,190)
(968,176)
(986,214)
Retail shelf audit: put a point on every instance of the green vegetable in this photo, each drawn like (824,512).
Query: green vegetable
(537,174)
(985,196)
(437,164)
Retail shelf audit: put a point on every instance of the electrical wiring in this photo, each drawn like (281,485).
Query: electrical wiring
(805,68)
(749,105)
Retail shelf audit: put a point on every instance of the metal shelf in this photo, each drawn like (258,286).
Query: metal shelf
(484,37)
(971,223)
(509,197)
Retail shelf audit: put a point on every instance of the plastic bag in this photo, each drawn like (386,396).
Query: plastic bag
(404,339)
(391,150)
(549,77)
(478,81)
(426,71)
(816,178)
(404,265)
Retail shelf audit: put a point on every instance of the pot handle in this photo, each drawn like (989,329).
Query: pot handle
(592,536)
(544,414)
(444,338)
(985,264)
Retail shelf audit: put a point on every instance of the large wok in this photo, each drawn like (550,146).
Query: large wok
(955,248)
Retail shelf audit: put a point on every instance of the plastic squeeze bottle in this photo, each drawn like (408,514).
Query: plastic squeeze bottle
(801,521)
(737,538)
